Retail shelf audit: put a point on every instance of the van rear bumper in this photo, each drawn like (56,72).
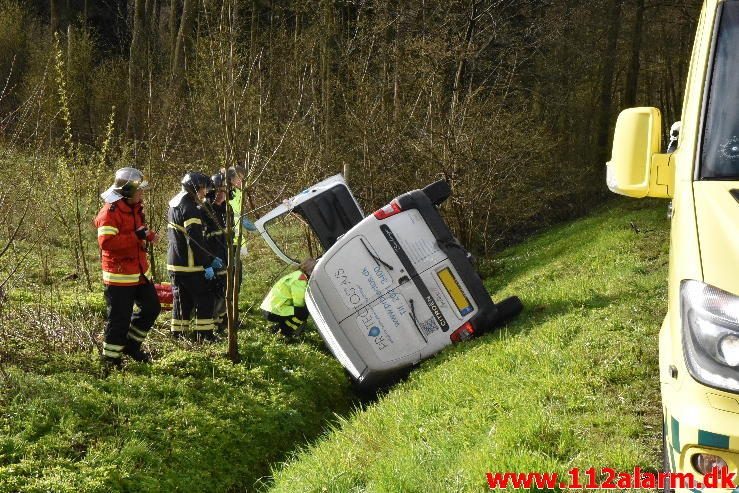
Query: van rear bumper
(487,314)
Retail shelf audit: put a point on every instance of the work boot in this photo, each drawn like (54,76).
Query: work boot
(137,354)
(205,336)
(287,332)
(110,364)
(221,328)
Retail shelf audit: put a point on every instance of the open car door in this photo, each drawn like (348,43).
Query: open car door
(310,223)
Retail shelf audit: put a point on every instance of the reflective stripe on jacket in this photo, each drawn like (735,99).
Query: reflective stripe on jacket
(187,250)
(215,231)
(286,294)
(122,253)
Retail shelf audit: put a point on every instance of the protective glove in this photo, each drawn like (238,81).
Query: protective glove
(209,274)
(143,233)
(217,264)
(244,252)
(248,225)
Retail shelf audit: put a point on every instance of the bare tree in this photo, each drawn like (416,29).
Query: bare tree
(137,71)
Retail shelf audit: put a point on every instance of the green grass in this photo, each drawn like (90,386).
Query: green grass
(572,382)
(192,421)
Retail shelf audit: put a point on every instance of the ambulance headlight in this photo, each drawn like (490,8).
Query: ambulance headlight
(710,318)
(705,463)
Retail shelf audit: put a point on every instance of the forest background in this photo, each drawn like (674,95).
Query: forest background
(512,102)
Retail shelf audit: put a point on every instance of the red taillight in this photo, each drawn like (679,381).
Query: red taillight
(463,333)
(389,210)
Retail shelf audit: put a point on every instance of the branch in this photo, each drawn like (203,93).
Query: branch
(17,229)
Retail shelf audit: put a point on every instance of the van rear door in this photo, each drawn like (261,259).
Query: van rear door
(375,258)
(310,223)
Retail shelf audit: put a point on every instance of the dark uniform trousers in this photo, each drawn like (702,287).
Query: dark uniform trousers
(218,287)
(191,292)
(287,326)
(127,328)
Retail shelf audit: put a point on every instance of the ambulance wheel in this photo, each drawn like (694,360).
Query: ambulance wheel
(665,459)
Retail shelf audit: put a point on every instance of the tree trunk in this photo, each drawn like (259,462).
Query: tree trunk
(632,78)
(183,35)
(326,60)
(396,74)
(54,16)
(231,287)
(609,58)
(136,72)
(151,19)
(172,25)
(459,73)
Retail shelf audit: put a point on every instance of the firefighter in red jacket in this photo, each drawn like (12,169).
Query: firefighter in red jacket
(123,236)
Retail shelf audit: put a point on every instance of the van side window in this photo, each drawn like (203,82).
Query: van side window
(720,152)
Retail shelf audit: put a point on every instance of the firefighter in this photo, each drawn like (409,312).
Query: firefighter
(123,236)
(217,239)
(285,303)
(190,262)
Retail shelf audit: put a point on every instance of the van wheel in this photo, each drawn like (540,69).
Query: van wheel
(438,192)
(665,459)
(508,308)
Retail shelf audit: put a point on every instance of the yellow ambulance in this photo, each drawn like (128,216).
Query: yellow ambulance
(699,171)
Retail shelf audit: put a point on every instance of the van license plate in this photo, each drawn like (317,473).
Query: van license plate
(455,292)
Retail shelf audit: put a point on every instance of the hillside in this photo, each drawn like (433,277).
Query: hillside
(192,421)
(572,382)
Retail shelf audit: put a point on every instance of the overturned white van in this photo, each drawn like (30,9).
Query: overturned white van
(392,288)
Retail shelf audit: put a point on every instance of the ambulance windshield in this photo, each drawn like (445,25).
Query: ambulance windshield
(720,153)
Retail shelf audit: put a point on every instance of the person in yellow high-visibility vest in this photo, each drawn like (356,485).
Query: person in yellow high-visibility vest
(285,303)
(235,176)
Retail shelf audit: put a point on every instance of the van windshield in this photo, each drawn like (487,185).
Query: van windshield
(720,153)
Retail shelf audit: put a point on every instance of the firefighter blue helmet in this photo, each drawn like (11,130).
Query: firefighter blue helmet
(219,181)
(194,181)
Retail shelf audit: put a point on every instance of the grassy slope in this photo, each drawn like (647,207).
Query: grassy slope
(572,382)
(190,422)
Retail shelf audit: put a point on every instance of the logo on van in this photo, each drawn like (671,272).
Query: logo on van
(436,312)
(374,331)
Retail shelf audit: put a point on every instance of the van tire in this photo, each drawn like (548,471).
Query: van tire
(438,192)
(508,309)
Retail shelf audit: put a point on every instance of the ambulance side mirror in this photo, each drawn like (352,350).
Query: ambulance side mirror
(637,169)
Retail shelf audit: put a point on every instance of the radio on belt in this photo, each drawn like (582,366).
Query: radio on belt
(392,288)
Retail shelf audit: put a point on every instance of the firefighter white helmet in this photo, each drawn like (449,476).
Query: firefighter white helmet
(126,182)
